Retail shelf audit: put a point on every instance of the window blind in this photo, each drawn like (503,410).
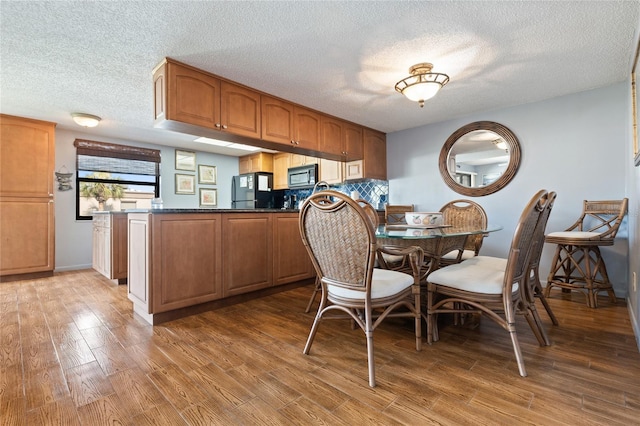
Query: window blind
(113,158)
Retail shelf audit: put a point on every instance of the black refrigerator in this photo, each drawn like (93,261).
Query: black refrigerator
(252,191)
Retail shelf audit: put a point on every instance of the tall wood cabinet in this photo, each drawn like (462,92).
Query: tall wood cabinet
(27,232)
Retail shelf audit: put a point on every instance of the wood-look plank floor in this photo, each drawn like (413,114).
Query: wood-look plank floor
(73,353)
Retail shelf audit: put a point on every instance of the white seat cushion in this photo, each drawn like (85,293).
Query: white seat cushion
(385,283)
(466,254)
(574,234)
(496,262)
(478,276)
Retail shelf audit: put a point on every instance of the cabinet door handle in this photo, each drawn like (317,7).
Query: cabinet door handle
(217,125)
(224,126)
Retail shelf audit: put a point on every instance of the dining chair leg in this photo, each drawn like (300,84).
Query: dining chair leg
(316,290)
(535,322)
(516,350)
(370,359)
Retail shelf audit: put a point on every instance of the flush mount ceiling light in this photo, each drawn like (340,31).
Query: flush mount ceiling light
(422,84)
(85,120)
(500,144)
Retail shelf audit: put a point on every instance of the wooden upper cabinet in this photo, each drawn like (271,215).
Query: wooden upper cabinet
(286,123)
(341,138)
(353,142)
(332,136)
(281,164)
(240,109)
(190,96)
(258,162)
(277,120)
(306,128)
(375,154)
(27,157)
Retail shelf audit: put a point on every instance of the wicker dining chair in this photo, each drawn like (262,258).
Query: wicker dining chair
(341,241)
(394,213)
(462,213)
(577,263)
(496,293)
(533,290)
(372,214)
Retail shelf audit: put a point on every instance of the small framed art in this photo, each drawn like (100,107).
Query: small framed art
(206,174)
(185,184)
(185,160)
(208,197)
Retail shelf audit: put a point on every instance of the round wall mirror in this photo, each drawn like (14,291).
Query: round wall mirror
(479,158)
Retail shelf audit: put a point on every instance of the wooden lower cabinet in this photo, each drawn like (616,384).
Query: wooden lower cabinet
(290,259)
(180,260)
(27,235)
(248,256)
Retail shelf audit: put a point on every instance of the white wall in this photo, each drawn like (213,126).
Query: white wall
(576,145)
(73,237)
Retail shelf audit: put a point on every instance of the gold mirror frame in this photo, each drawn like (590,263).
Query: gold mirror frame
(498,184)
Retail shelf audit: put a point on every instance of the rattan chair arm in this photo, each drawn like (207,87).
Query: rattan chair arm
(413,255)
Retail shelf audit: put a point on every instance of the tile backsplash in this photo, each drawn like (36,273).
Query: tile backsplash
(376,192)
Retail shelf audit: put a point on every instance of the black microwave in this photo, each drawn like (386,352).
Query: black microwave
(302,176)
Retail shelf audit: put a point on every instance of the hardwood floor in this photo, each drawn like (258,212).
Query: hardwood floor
(72,352)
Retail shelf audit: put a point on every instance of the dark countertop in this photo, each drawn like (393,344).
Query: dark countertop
(185,210)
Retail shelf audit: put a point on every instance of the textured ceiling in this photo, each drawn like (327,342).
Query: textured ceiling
(342,58)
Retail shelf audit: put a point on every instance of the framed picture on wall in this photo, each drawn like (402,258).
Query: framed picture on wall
(185,160)
(208,197)
(206,174)
(185,184)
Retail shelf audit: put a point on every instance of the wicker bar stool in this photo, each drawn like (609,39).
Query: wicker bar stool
(577,263)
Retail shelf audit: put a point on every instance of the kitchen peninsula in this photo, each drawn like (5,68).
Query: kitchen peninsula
(186,261)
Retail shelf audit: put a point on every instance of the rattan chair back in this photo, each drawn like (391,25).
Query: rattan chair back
(340,238)
(603,217)
(394,213)
(523,243)
(461,213)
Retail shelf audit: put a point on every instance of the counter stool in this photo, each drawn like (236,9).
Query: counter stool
(577,263)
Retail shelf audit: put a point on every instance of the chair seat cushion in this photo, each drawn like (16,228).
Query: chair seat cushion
(574,234)
(477,276)
(385,283)
(466,254)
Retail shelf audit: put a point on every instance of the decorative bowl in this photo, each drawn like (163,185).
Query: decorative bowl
(423,218)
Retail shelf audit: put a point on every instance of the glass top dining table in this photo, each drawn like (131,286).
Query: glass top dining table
(436,241)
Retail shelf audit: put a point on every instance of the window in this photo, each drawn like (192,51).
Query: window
(114,177)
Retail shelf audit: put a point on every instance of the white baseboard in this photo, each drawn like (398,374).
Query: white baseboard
(72,268)
(634,324)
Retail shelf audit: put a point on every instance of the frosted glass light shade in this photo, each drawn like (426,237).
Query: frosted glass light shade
(85,120)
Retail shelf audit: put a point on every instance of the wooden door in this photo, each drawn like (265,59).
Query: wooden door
(290,259)
(27,157)
(277,120)
(27,235)
(353,142)
(332,136)
(186,260)
(281,164)
(331,171)
(119,247)
(247,267)
(306,125)
(240,110)
(192,97)
(375,154)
